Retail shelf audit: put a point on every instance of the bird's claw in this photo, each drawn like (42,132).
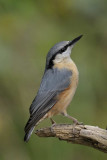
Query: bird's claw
(76,122)
(52,121)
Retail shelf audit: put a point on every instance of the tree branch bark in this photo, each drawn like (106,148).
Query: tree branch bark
(82,134)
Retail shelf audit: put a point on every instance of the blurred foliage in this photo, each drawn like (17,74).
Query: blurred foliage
(27,31)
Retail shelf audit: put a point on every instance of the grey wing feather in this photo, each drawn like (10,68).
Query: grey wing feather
(53,82)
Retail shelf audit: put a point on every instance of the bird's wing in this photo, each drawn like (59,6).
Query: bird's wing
(53,82)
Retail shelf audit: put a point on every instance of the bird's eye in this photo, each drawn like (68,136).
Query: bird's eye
(63,49)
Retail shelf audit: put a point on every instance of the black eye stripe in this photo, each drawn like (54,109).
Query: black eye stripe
(50,65)
(63,49)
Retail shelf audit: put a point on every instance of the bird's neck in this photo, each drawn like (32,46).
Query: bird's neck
(68,64)
(65,63)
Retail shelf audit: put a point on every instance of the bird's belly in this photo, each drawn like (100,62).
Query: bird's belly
(64,100)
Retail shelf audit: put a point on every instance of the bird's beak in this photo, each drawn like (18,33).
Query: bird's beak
(71,43)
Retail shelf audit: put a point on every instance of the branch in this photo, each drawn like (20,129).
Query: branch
(82,134)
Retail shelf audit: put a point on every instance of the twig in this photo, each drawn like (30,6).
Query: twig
(82,134)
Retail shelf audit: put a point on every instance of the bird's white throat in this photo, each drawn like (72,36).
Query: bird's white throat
(64,57)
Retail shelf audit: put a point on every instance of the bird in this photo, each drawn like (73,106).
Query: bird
(57,87)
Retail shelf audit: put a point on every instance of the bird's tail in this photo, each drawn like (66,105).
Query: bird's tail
(28,134)
(28,130)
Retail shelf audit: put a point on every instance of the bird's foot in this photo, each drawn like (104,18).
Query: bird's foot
(53,124)
(76,122)
(52,121)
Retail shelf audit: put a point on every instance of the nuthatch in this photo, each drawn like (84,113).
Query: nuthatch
(57,87)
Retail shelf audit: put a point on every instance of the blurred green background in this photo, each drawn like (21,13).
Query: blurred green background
(28,29)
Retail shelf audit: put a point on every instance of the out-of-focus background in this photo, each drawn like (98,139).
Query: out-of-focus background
(28,29)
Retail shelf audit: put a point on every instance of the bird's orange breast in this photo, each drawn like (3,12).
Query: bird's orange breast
(66,96)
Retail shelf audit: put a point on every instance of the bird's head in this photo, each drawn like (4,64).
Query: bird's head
(60,52)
